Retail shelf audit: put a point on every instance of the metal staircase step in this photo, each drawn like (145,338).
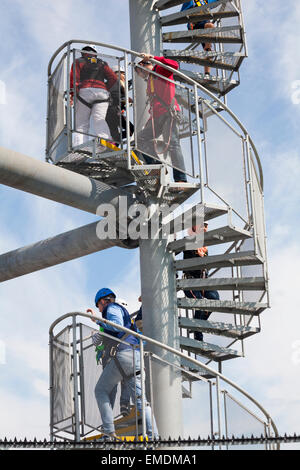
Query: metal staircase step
(193,368)
(225,34)
(196,15)
(196,214)
(219,283)
(224,306)
(217,328)
(212,351)
(214,83)
(219,60)
(164,4)
(217,236)
(242,258)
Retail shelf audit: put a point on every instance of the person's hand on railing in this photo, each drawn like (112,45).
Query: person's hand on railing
(147,56)
(91,311)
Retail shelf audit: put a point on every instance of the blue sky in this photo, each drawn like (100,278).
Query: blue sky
(33,30)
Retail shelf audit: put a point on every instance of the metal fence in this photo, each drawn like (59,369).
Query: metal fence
(209,409)
(211,138)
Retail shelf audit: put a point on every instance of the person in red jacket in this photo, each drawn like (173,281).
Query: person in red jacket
(163,110)
(95,87)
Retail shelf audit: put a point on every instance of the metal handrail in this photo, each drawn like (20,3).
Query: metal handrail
(178,73)
(172,350)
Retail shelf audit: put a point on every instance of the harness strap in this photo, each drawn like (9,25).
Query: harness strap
(125,376)
(90,105)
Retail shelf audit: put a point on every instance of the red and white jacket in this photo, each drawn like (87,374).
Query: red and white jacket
(92,74)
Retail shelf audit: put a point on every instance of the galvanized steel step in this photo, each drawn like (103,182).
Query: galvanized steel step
(196,15)
(219,60)
(224,306)
(164,4)
(217,328)
(226,260)
(225,35)
(214,83)
(212,237)
(191,367)
(220,283)
(212,351)
(196,214)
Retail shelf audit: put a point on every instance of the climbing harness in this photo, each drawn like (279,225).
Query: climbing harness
(175,115)
(90,105)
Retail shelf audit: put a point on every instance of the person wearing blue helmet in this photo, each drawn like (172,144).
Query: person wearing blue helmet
(120,362)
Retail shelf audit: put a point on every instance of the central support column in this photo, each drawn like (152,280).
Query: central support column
(160,320)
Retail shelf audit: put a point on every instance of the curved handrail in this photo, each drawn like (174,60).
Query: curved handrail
(172,350)
(178,73)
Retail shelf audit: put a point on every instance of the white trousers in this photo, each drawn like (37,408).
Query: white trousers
(91,120)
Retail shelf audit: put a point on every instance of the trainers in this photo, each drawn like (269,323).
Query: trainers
(107,438)
(125,410)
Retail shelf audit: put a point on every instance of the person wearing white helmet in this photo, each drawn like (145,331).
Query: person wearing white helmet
(94,85)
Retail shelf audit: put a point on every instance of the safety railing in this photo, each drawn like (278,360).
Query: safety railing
(195,102)
(74,373)
(210,141)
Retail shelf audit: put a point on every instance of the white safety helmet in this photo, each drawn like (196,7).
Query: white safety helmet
(89,47)
(116,69)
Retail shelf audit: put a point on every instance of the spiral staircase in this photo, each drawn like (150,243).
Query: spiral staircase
(227,39)
(237,261)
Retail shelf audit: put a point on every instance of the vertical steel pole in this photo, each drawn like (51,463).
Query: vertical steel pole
(151,392)
(225,415)
(160,320)
(199,144)
(127,112)
(75,378)
(51,386)
(135,397)
(143,389)
(81,381)
(211,411)
(145,28)
(218,407)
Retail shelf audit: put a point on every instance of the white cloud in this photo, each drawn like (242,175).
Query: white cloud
(272,32)
(269,370)
(23,417)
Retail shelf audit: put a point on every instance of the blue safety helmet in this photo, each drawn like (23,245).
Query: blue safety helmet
(104,292)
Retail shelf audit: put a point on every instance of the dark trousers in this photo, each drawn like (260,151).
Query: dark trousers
(169,130)
(201,314)
(113,121)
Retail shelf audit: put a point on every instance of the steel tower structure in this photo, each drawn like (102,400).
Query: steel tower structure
(98,173)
